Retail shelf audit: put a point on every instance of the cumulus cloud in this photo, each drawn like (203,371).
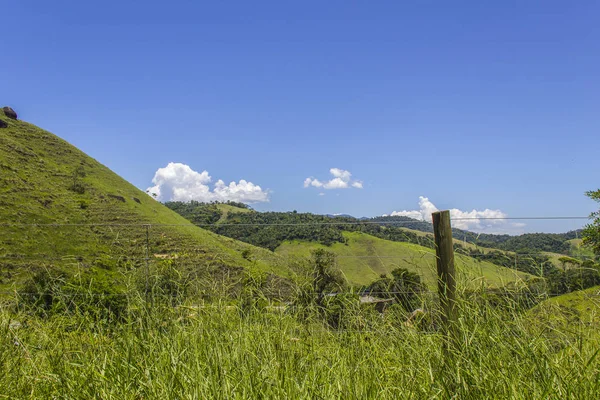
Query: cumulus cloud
(342,179)
(477,219)
(179,182)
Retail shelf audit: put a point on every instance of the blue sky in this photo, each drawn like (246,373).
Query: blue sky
(473,105)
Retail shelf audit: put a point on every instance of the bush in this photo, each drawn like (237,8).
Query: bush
(169,283)
(77,187)
(50,292)
(95,297)
(41,292)
(404,286)
(246,253)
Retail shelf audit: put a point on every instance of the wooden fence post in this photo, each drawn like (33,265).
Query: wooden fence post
(444,250)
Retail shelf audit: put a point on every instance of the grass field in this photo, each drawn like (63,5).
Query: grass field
(364,258)
(581,307)
(584,301)
(225,352)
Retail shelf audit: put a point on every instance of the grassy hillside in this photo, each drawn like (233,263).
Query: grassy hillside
(225,209)
(99,216)
(363,258)
(569,314)
(585,302)
(271,229)
(578,250)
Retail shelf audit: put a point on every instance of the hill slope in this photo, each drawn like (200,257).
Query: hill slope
(58,206)
(363,258)
(569,313)
(271,229)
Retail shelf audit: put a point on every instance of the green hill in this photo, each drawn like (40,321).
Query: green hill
(365,249)
(225,209)
(569,313)
(578,250)
(272,229)
(585,302)
(60,208)
(363,258)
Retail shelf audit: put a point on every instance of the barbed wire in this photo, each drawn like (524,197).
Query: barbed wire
(334,223)
(376,296)
(426,293)
(174,255)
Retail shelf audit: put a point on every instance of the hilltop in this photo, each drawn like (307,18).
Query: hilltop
(61,209)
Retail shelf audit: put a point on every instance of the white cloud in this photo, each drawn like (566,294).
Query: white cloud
(341,173)
(312,182)
(179,182)
(342,179)
(336,183)
(476,221)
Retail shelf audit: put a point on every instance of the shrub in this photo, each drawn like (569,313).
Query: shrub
(77,187)
(41,292)
(246,253)
(95,296)
(50,292)
(169,283)
(404,286)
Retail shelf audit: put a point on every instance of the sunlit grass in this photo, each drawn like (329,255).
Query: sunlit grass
(220,350)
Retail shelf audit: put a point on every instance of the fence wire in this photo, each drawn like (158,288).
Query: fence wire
(333,222)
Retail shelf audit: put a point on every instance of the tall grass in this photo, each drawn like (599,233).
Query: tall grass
(222,351)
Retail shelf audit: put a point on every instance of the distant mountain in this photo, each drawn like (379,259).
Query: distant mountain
(339,215)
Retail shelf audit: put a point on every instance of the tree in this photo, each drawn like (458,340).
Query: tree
(569,262)
(585,276)
(326,278)
(323,291)
(404,286)
(591,233)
